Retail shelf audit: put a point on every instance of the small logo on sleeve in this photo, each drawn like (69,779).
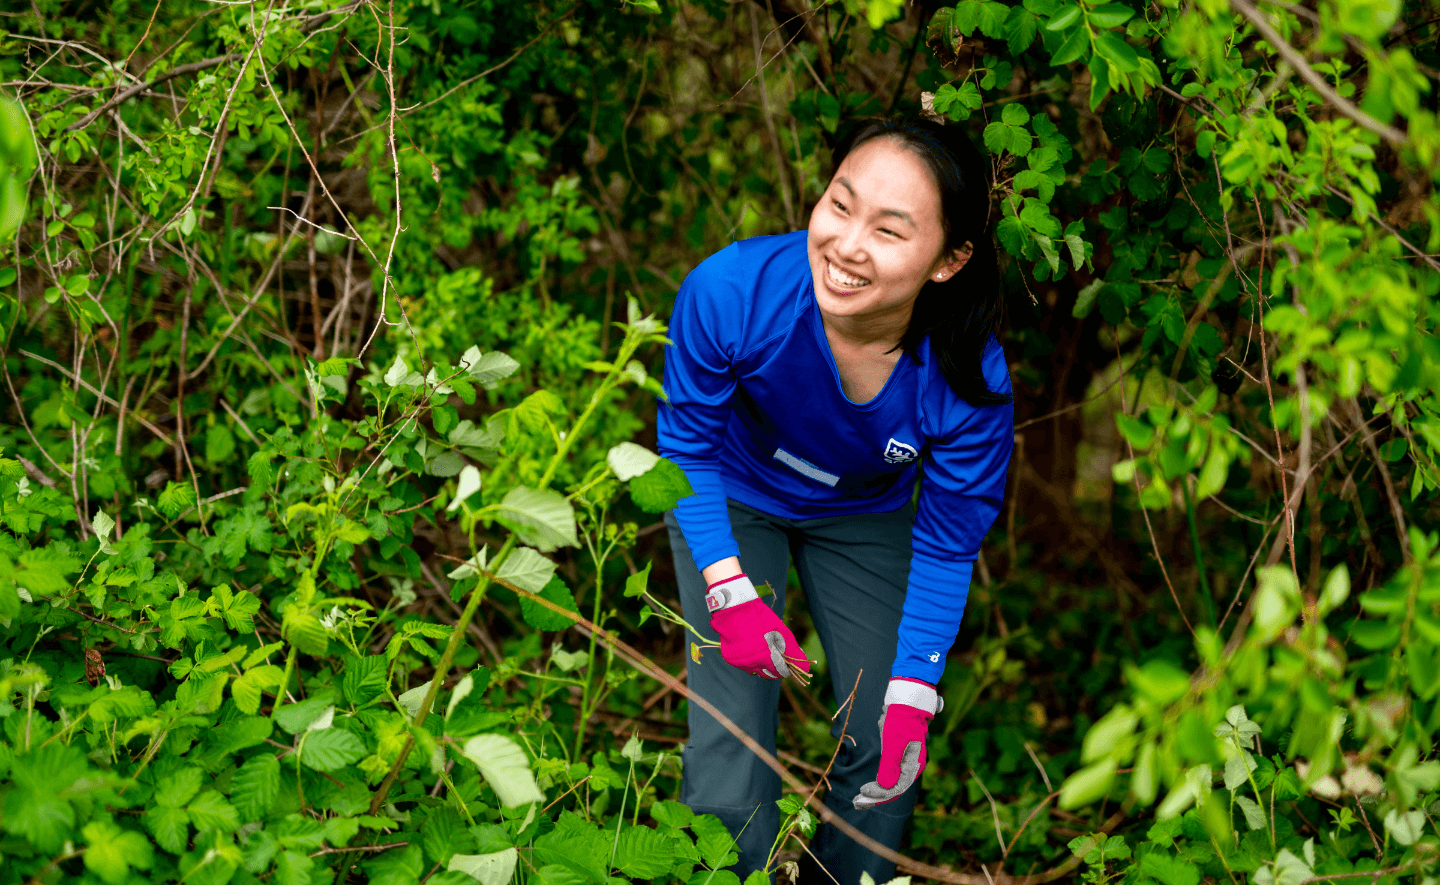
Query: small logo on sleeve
(935,657)
(897,452)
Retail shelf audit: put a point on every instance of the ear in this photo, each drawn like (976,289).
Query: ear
(947,265)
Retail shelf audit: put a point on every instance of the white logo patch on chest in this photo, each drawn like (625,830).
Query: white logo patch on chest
(897,452)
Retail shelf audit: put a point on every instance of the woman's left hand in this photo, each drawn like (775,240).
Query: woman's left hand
(904,725)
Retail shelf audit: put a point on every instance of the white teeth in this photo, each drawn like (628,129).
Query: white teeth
(842,279)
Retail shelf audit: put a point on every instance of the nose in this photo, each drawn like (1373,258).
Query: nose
(850,244)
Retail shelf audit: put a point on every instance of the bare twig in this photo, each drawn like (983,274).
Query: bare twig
(1311,76)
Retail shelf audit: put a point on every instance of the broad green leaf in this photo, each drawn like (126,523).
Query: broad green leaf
(505,768)
(255,786)
(714,842)
(526,569)
(659,488)
(170,826)
(1112,728)
(411,700)
(295,718)
(1088,784)
(331,749)
(248,689)
(577,846)
(542,517)
(210,812)
(467,485)
(487,368)
(487,869)
(110,852)
(364,678)
(400,375)
(629,460)
(643,853)
(1111,15)
(543,618)
(635,584)
(1405,827)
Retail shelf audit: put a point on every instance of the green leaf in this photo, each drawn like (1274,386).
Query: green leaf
(364,678)
(400,375)
(467,485)
(210,812)
(219,443)
(660,488)
(249,688)
(176,497)
(672,814)
(542,517)
(635,584)
(1015,114)
(505,768)
(438,832)
(542,618)
(577,846)
(295,718)
(487,869)
(629,460)
(331,749)
(110,852)
(1111,15)
(169,826)
(1395,449)
(254,787)
(1136,432)
(1088,784)
(1169,869)
(1063,18)
(78,284)
(1075,46)
(526,569)
(1405,827)
(713,841)
(642,853)
(996,137)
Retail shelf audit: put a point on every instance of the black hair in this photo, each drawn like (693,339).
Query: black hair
(962,312)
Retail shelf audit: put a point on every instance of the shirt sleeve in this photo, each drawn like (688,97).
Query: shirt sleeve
(700,383)
(960,495)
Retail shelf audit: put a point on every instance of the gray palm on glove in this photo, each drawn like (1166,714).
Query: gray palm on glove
(904,725)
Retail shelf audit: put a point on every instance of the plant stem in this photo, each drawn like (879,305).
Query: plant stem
(1208,599)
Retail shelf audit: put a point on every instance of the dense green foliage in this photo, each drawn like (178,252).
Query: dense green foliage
(318,415)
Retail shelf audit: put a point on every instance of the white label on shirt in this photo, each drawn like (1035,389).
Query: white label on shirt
(897,452)
(805,468)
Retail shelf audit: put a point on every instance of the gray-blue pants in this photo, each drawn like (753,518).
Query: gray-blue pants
(854,571)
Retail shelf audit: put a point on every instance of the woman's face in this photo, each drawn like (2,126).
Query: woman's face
(876,235)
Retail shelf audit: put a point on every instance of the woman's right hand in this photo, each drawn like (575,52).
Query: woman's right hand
(752,637)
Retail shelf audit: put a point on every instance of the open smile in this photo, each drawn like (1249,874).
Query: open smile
(841,279)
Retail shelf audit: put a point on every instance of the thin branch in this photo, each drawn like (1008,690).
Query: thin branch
(1311,76)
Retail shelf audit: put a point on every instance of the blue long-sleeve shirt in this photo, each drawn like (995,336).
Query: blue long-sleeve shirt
(757,414)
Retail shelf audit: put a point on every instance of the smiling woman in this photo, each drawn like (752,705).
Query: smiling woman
(810,377)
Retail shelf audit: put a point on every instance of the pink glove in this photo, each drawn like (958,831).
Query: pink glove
(909,706)
(752,637)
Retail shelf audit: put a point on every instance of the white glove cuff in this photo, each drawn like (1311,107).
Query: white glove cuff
(914,694)
(730,593)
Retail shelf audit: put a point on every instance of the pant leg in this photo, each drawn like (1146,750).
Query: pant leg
(721,775)
(854,570)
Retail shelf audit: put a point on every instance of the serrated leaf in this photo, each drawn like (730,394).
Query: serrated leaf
(169,826)
(249,688)
(542,517)
(642,853)
(487,869)
(629,460)
(331,749)
(543,618)
(659,488)
(110,852)
(364,678)
(254,787)
(505,768)
(526,569)
(210,812)
(489,367)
